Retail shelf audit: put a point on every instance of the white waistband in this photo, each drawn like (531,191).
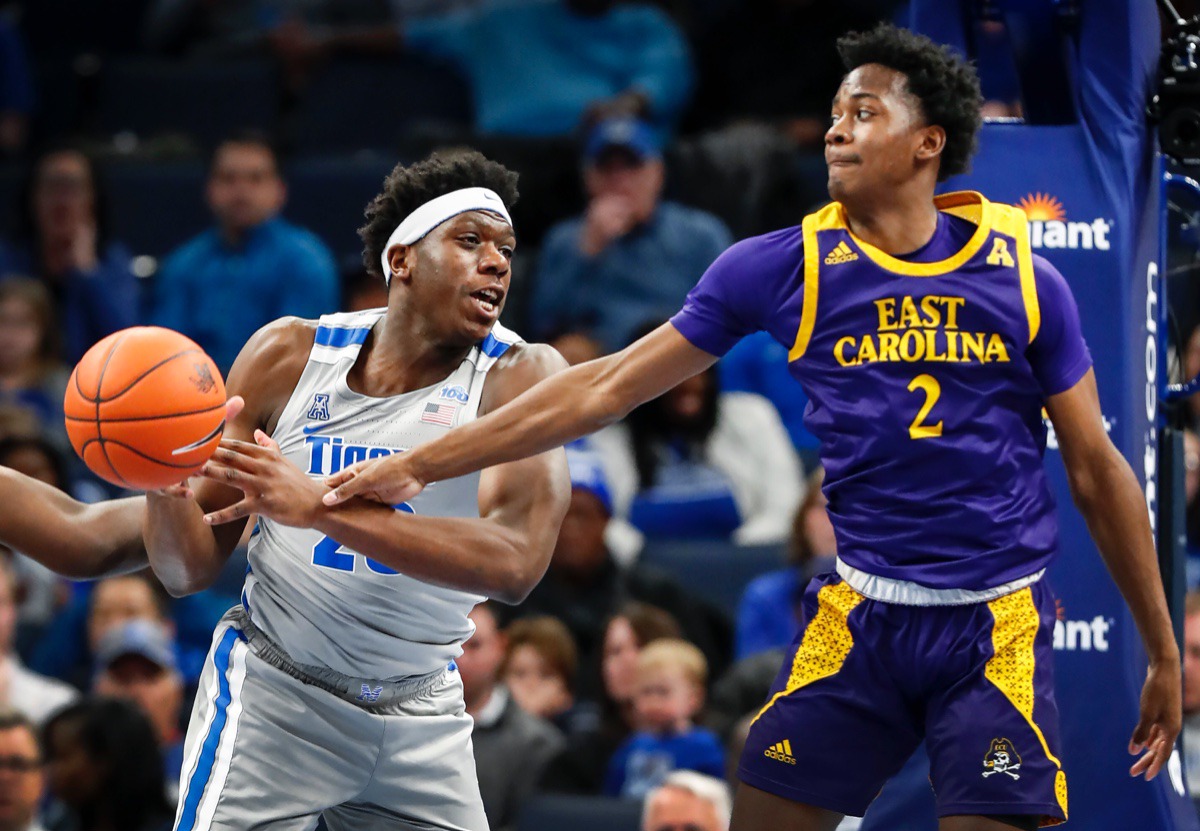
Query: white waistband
(907,593)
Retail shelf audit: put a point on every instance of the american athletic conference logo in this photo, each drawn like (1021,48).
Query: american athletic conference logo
(319,409)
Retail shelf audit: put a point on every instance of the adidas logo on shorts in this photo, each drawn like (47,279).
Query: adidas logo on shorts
(840,254)
(781,752)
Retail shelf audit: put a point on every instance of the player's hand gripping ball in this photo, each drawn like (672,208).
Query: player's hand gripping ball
(145,408)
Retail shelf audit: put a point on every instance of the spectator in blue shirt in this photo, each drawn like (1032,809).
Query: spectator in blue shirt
(63,241)
(668,696)
(253,267)
(571,62)
(631,257)
(576,58)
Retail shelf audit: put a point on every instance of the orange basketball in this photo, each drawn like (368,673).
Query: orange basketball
(145,408)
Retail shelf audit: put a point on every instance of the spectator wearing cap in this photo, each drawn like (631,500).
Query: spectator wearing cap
(220,287)
(632,256)
(136,662)
(584,586)
(688,800)
(22,775)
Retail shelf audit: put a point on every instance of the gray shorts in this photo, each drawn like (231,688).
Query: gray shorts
(273,745)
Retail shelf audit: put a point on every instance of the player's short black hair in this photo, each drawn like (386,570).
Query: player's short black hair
(407,188)
(945,84)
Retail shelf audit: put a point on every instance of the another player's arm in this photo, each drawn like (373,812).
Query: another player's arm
(69,537)
(186,553)
(505,552)
(1107,493)
(561,408)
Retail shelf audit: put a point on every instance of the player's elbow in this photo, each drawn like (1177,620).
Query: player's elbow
(1093,478)
(516,580)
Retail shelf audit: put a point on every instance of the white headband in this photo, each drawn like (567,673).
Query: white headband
(436,211)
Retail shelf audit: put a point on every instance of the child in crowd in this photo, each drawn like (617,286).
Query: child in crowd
(671,677)
(540,665)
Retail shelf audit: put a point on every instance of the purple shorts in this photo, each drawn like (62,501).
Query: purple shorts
(867,681)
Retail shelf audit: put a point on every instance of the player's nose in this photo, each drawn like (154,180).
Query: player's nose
(492,259)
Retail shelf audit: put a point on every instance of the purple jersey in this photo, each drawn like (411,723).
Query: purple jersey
(926,377)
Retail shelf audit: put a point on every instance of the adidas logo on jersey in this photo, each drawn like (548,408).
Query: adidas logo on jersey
(840,254)
(781,752)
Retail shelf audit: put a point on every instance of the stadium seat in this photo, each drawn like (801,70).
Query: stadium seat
(716,571)
(155,205)
(554,812)
(206,101)
(370,104)
(327,196)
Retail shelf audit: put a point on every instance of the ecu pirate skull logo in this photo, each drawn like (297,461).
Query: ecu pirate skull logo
(1001,757)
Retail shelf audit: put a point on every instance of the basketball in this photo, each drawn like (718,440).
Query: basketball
(145,408)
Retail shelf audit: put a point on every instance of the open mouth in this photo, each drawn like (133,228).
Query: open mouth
(490,299)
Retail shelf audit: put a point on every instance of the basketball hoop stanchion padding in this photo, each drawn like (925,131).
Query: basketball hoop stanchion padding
(1093,190)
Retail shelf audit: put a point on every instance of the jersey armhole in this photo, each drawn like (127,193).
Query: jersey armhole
(808,311)
(1012,222)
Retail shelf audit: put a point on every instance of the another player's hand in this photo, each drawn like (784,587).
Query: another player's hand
(1160,720)
(389,480)
(183,490)
(272,486)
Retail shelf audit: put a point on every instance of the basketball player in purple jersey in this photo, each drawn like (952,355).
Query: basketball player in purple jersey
(928,338)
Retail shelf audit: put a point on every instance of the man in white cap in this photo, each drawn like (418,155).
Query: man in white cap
(331,689)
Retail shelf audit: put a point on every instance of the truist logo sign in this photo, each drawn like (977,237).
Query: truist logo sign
(1049,227)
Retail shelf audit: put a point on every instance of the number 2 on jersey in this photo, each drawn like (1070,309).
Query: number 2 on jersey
(329,553)
(933,390)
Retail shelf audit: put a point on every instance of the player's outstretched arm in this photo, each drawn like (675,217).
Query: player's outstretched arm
(562,408)
(69,537)
(1108,495)
(186,553)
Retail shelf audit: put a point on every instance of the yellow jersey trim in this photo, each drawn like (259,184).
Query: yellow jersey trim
(1012,221)
(1011,667)
(968,205)
(812,270)
(826,643)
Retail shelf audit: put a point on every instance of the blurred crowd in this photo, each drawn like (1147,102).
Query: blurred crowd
(185,162)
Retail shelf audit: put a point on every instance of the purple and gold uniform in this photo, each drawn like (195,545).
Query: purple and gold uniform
(926,376)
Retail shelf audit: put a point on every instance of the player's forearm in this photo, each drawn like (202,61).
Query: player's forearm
(560,409)
(183,550)
(1109,498)
(466,554)
(67,536)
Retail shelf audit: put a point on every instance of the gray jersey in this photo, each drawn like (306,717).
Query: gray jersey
(327,605)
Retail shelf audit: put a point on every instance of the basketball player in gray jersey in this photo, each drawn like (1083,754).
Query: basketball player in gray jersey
(331,688)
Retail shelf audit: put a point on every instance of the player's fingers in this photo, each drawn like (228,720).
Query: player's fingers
(235,511)
(346,483)
(225,474)
(266,441)
(233,407)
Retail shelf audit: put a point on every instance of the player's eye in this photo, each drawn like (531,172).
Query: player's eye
(507,251)
(863,115)
(470,239)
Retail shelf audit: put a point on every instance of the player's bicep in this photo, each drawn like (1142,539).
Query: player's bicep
(528,498)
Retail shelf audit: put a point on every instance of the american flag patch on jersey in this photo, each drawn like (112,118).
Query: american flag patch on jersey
(439,414)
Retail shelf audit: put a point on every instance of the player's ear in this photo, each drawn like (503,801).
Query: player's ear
(398,259)
(932,142)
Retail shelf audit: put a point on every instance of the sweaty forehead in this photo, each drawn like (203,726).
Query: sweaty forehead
(483,221)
